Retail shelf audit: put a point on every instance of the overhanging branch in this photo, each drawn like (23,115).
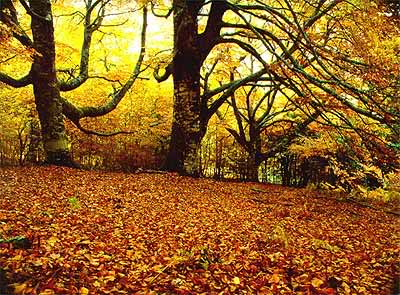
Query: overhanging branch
(75,114)
(16,83)
(168,72)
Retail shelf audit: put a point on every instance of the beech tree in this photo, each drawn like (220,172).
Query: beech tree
(258,21)
(300,36)
(294,45)
(47,80)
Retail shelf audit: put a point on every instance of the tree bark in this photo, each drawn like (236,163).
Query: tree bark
(45,86)
(254,161)
(187,129)
(253,148)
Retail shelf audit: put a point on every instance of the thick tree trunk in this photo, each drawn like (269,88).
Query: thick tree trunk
(46,89)
(187,129)
(254,161)
(253,164)
(183,155)
(253,147)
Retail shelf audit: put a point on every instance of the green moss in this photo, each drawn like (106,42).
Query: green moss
(59,144)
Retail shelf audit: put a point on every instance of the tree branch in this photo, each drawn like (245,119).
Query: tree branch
(100,133)
(153,11)
(32,13)
(168,72)
(76,113)
(16,83)
(11,20)
(229,88)
(89,28)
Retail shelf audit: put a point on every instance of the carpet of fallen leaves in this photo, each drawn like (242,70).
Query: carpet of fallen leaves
(116,233)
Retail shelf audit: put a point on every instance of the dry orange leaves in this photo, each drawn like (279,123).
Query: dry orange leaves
(115,233)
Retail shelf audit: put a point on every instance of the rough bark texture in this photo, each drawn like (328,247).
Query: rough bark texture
(191,113)
(255,158)
(45,86)
(186,127)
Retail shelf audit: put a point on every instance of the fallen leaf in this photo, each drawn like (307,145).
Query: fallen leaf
(275,278)
(52,241)
(316,283)
(236,281)
(19,288)
(328,291)
(47,292)
(197,234)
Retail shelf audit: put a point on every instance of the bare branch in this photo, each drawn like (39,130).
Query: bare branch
(165,76)
(76,113)
(16,83)
(89,28)
(155,13)
(8,59)
(100,133)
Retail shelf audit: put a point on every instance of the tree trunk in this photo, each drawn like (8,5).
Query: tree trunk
(252,168)
(46,90)
(254,160)
(253,149)
(187,129)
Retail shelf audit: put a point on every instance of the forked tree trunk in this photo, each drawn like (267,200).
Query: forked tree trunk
(187,129)
(46,90)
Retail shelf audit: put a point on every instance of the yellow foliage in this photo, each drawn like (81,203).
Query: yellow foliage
(47,292)
(392,182)
(20,288)
(379,194)
(308,147)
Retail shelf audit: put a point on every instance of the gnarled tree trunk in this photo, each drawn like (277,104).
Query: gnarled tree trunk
(45,86)
(187,131)
(253,163)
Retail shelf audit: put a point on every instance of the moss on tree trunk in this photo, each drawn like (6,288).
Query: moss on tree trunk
(46,90)
(187,130)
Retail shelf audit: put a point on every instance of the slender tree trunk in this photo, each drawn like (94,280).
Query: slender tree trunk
(218,158)
(46,90)
(187,129)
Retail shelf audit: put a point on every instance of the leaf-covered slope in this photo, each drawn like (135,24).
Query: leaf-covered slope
(114,233)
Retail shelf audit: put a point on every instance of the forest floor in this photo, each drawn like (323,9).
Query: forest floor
(114,233)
